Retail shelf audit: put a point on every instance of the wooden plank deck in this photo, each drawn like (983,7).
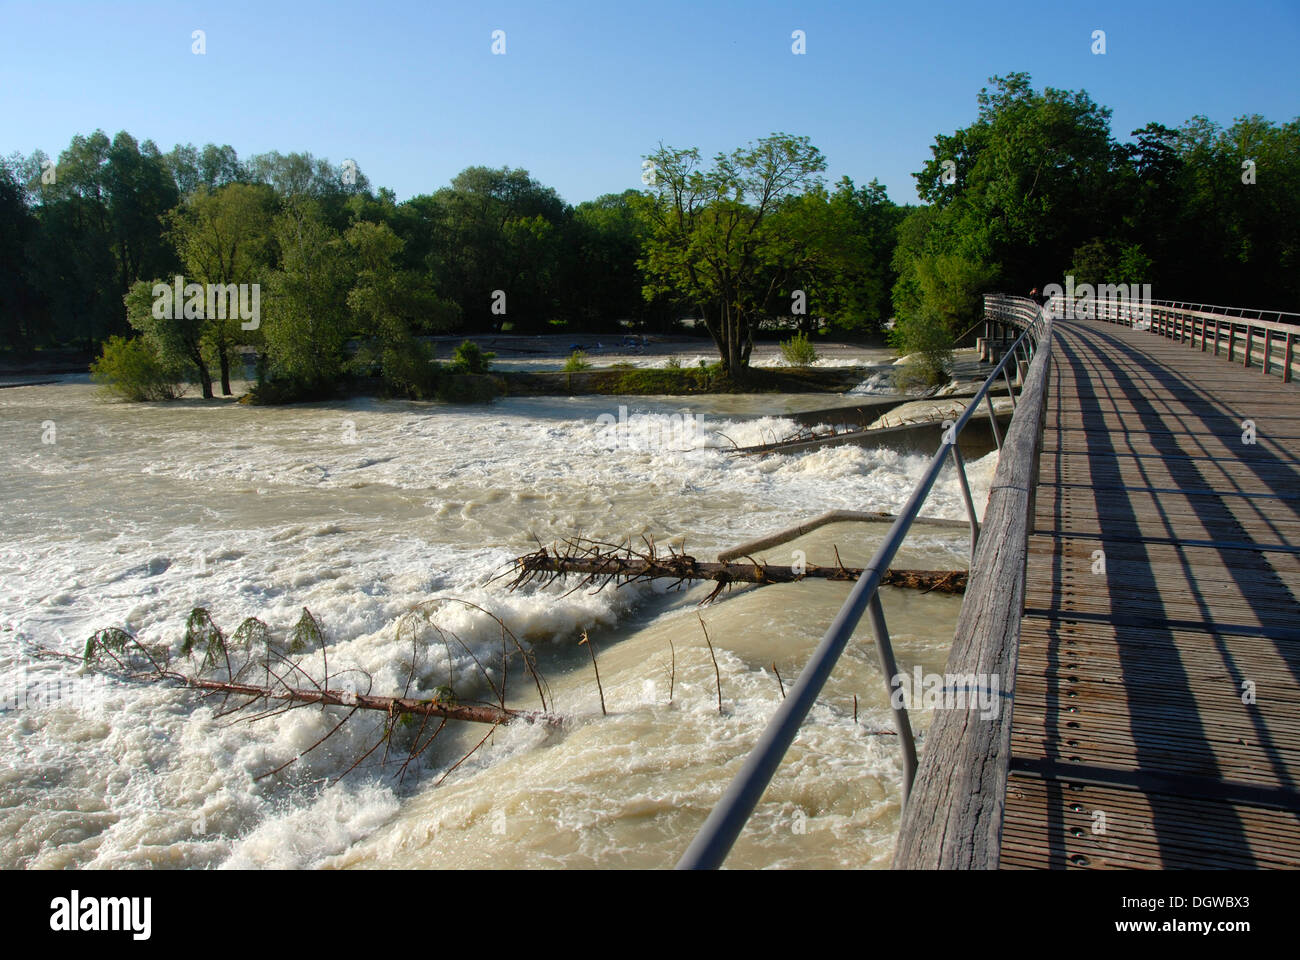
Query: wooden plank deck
(1131,746)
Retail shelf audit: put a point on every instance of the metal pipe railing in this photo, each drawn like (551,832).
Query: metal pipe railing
(714,841)
(1203,324)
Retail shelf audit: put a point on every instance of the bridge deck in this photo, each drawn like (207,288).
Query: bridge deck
(1130,680)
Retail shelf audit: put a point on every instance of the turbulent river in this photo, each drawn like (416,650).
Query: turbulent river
(130,515)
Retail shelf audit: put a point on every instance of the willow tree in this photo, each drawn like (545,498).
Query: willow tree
(714,236)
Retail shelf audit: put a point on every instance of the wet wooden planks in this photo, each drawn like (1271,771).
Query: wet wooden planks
(1157,701)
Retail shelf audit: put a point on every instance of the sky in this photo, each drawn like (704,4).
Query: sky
(413,92)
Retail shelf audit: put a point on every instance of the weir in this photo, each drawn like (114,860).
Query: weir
(1133,599)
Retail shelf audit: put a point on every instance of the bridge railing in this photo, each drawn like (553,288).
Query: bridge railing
(993,550)
(1255,338)
(953,819)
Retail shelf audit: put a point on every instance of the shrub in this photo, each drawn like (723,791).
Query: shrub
(926,338)
(272,390)
(577,361)
(673,363)
(408,369)
(798,351)
(469,357)
(130,369)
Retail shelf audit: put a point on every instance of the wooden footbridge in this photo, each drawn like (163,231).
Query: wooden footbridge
(1134,601)
(1156,715)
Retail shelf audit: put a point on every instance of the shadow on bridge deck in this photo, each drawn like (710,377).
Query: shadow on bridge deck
(1157,713)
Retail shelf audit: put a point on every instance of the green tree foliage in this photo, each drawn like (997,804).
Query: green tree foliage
(1103,260)
(21,309)
(98,231)
(1032,175)
(925,339)
(74,247)
(131,369)
(1010,198)
(307,320)
(389,304)
(1037,188)
(862,272)
(716,238)
(178,341)
(599,280)
(1034,187)
(496,229)
(223,237)
(1248,232)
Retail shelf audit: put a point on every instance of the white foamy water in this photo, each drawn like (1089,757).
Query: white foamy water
(359,510)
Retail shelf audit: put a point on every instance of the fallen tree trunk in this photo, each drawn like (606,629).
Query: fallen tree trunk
(602,566)
(394,706)
(397,706)
(833,516)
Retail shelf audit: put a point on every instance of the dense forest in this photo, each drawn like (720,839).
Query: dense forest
(1036,187)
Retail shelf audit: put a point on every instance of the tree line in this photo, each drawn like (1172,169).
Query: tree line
(1037,188)
(351,281)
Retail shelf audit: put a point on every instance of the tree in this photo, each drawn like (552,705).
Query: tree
(139,191)
(73,251)
(1012,196)
(863,273)
(307,321)
(175,341)
(20,301)
(712,240)
(389,304)
(222,237)
(496,230)
(213,167)
(598,275)
(1103,260)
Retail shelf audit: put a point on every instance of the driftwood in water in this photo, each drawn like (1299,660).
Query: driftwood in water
(393,706)
(601,563)
(832,516)
(258,676)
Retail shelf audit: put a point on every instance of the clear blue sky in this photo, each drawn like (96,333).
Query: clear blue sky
(412,92)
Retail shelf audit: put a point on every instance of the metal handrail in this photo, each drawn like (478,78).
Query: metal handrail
(715,838)
(1193,324)
(1293,319)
